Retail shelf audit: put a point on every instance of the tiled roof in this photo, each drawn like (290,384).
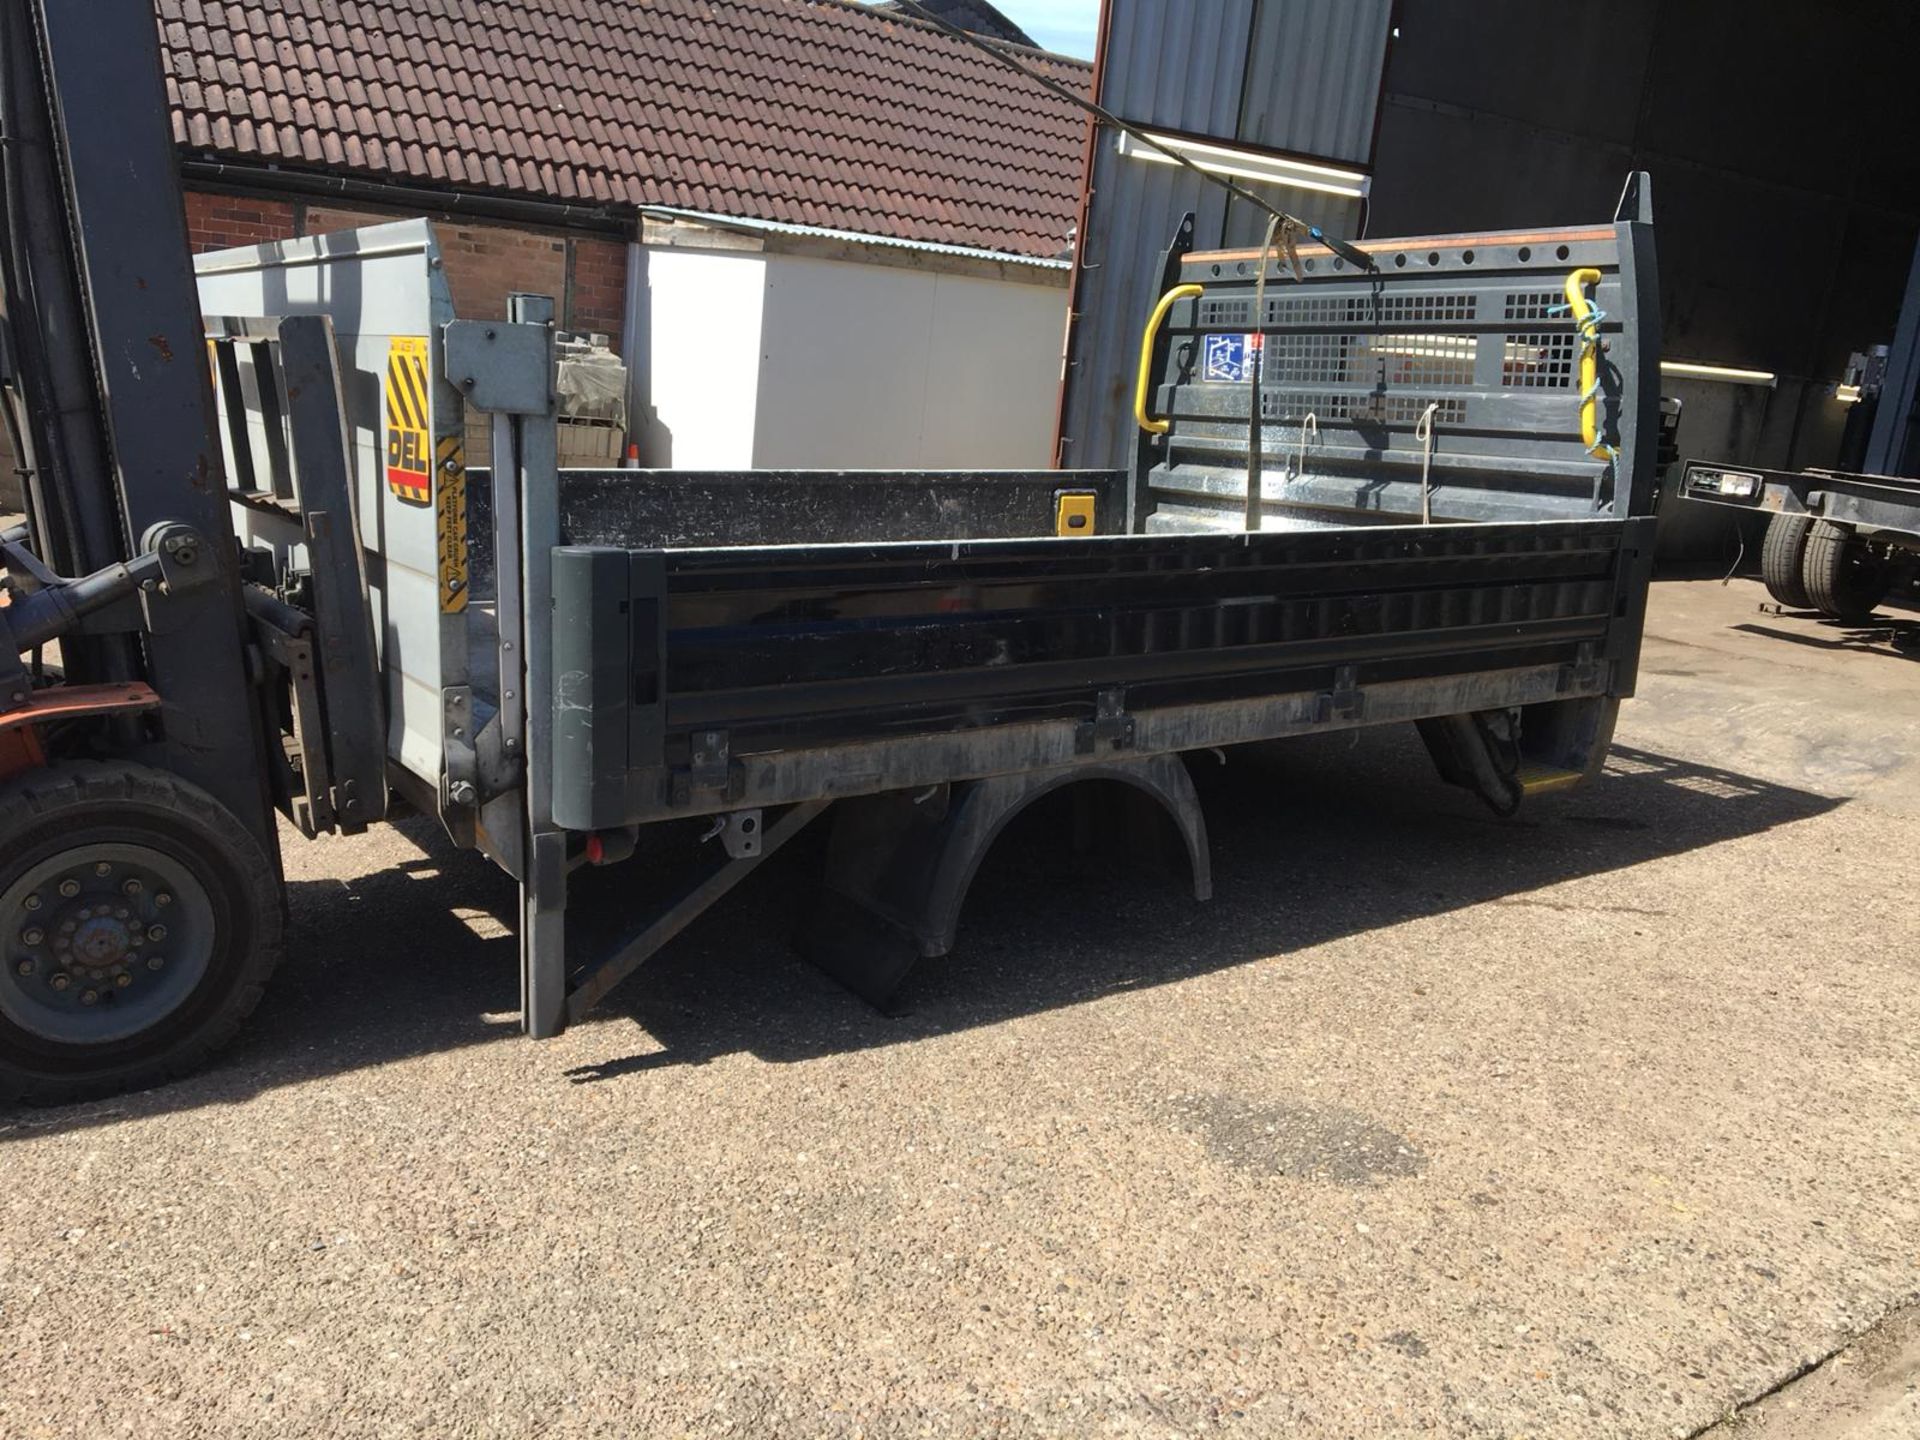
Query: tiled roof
(811,112)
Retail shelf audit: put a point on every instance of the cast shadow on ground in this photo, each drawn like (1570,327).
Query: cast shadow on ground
(1890,635)
(1311,839)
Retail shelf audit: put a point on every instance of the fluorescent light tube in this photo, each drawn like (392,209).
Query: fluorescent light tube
(1252,165)
(1732,374)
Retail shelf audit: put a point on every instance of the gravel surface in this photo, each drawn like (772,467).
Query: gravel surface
(1592,1123)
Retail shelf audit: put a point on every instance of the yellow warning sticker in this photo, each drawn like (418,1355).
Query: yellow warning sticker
(451,520)
(408,420)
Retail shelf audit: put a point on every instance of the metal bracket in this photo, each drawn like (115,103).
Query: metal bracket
(498,769)
(1110,725)
(1345,701)
(502,366)
(16,686)
(740,834)
(709,768)
(462,764)
(1585,673)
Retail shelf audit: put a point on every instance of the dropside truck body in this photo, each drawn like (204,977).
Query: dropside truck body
(1419,491)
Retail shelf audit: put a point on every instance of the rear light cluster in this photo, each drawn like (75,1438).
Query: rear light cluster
(1729,484)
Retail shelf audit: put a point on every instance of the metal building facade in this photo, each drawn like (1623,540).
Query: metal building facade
(1786,185)
(1295,79)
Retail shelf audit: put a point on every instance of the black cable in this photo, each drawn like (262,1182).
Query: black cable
(1345,250)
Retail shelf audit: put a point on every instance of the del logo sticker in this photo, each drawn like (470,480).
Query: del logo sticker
(409,453)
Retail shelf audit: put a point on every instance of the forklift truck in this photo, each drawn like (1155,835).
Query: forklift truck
(1411,482)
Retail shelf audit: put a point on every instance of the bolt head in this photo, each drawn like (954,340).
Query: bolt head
(156,932)
(33,902)
(132,887)
(123,979)
(69,888)
(32,935)
(89,997)
(103,868)
(26,967)
(162,898)
(154,962)
(60,980)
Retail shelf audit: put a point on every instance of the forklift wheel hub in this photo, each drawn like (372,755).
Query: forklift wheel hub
(101,941)
(85,942)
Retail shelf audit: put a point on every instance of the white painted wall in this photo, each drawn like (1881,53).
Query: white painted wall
(790,362)
(704,313)
(873,366)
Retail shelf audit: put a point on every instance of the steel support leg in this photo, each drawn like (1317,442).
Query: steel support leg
(543,938)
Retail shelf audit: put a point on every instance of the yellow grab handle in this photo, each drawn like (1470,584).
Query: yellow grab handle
(1147,422)
(1582,309)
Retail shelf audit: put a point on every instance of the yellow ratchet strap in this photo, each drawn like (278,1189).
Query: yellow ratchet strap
(1587,324)
(1146,421)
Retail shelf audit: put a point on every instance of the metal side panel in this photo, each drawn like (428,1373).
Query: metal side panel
(385,291)
(691,672)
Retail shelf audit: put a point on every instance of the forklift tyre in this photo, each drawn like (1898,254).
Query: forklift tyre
(1844,578)
(139,922)
(1781,559)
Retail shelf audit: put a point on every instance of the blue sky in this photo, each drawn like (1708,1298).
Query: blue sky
(1064,25)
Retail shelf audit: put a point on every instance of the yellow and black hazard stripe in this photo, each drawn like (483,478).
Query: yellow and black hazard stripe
(409,455)
(451,524)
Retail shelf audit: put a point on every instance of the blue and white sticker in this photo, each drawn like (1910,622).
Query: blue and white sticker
(1226,358)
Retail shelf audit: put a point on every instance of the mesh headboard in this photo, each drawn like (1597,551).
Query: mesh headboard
(1471,328)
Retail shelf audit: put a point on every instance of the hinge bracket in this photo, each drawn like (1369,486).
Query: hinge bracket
(710,768)
(1345,701)
(1585,673)
(1111,725)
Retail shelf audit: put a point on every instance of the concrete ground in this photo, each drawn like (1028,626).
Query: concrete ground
(1598,1122)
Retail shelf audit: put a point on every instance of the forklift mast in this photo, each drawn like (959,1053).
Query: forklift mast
(108,400)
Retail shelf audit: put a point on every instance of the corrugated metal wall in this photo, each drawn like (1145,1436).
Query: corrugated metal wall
(1786,184)
(1300,77)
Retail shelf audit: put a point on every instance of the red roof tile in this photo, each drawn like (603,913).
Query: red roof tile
(811,112)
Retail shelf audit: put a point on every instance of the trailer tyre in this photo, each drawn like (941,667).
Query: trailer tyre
(139,922)
(1781,559)
(1843,576)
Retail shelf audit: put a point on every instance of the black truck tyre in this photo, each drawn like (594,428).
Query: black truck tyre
(1781,559)
(139,922)
(1844,578)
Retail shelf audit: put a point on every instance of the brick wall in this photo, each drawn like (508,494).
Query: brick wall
(485,263)
(219,222)
(598,299)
